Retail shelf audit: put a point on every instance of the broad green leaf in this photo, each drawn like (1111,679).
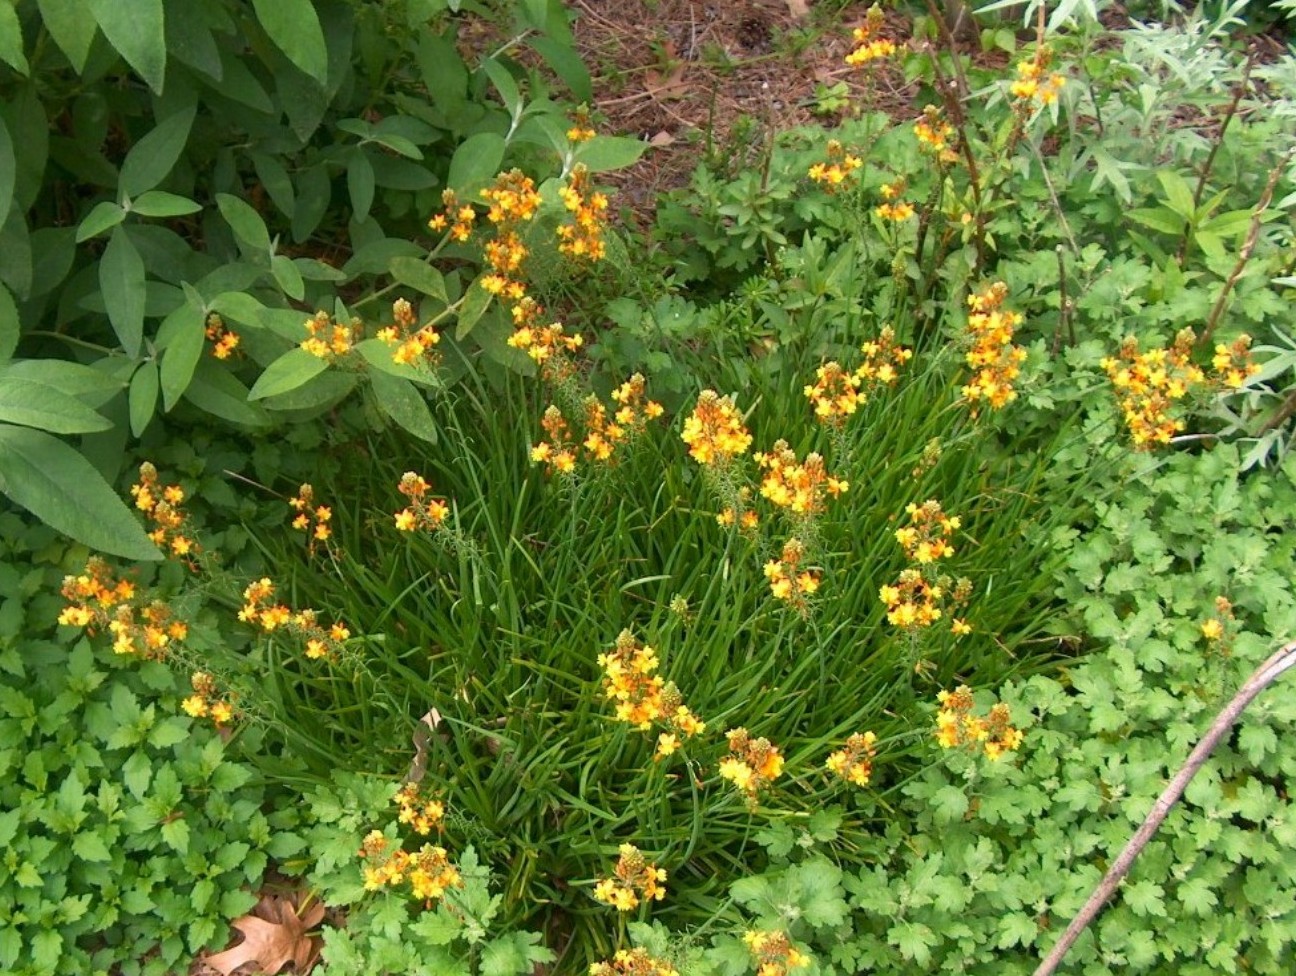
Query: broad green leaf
(1179,195)
(402,402)
(138,31)
(152,158)
(8,172)
(291,370)
(121,279)
(475,163)
(443,71)
(288,277)
(90,847)
(239,307)
(419,275)
(295,29)
(72,26)
(360,184)
(219,392)
(314,191)
(45,407)
(10,325)
(1158,218)
(176,835)
(57,485)
(143,396)
(244,221)
(159,203)
(475,302)
(11,39)
(47,949)
(104,216)
(1228,223)
(603,153)
(319,393)
(70,377)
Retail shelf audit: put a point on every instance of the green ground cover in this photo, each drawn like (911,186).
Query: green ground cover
(410,567)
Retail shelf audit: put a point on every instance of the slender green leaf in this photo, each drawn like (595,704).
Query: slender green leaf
(138,31)
(159,203)
(219,392)
(72,26)
(288,277)
(10,325)
(505,85)
(402,402)
(8,172)
(1158,218)
(143,396)
(475,302)
(289,371)
(60,487)
(244,221)
(182,335)
(360,184)
(1179,195)
(420,275)
(278,185)
(566,64)
(34,404)
(295,29)
(104,216)
(1228,223)
(11,39)
(121,278)
(475,162)
(152,158)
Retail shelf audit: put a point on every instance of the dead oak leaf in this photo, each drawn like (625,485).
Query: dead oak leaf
(273,938)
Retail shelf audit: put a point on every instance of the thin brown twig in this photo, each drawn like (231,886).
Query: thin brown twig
(1261,678)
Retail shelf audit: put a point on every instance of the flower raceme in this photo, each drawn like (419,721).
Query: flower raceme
(162,509)
(802,487)
(935,135)
(223,339)
(854,761)
(751,763)
(423,814)
(423,512)
(318,641)
(774,953)
(715,432)
(957,725)
(788,580)
(415,345)
(642,697)
(583,237)
(1034,83)
(993,357)
(837,394)
(98,601)
(632,962)
(634,879)
(427,871)
(206,702)
(838,170)
(869,45)
(924,539)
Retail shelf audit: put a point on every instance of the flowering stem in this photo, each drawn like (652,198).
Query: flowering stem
(1261,678)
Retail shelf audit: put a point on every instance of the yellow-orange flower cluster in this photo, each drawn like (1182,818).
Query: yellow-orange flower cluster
(582,130)
(455,217)
(996,361)
(634,410)
(935,135)
(1034,83)
(751,763)
(546,344)
(98,600)
(583,237)
(424,814)
(423,512)
(788,581)
(912,602)
(854,761)
(715,432)
(633,879)
(318,641)
(311,518)
(740,513)
(1149,385)
(837,394)
(1233,364)
(207,702)
(327,339)
(558,453)
(427,871)
(957,726)
(161,507)
(869,46)
(838,170)
(224,340)
(894,209)
(774,953)
(924,539)
(1220,629)
(800,486)
(642,697)
(414,346)
(512,201)
(632,962)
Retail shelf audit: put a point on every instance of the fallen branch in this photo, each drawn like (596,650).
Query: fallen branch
(1260,679)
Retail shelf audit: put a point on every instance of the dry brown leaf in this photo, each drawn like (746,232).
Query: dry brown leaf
(273,938)
(662,138)
(798,8)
